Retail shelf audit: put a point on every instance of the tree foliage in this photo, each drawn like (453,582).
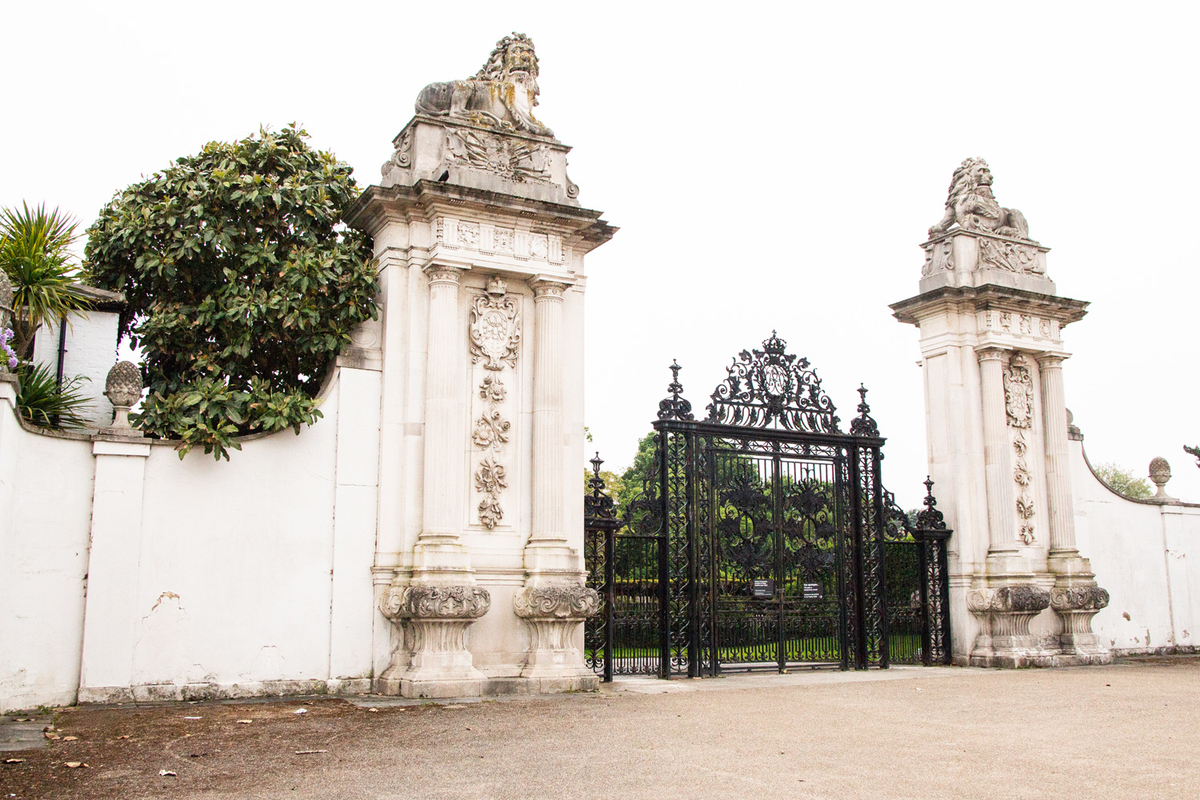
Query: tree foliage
(44,402)
(1121,481)
(241,285)
(1193,451)
(35,254)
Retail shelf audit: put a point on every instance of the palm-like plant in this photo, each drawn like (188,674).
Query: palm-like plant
(34,252)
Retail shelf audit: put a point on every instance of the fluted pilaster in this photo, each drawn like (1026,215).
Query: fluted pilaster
(996,452)
(445,432)
(1058,476)
(548,414)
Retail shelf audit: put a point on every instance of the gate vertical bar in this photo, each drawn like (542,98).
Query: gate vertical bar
(856,547)
(610,600)
(777,533)
(693,557)
(664,555)
(840,510)
(944,590)
(876,538)
(923,572)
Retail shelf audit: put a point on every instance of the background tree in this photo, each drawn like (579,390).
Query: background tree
(241,285)
(1121,481)
(35,254)
(1194,451)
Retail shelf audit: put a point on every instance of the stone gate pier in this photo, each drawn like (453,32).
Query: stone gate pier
(992,351)
(481,241)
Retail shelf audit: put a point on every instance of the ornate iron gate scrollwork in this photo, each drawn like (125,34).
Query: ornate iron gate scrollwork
(770,538)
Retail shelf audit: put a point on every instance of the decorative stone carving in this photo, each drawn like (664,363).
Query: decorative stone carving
(123,388)
(495,335)
(1005,613)
(1023,480)
(468,234)
(1018,392)
(495,327)
(1160,473)
(435,602)
(972,206)
(490,480)
(1019,599)
(402,156)
(1018,405)
(556,601)
(516,160)
(1076,605)
(553,611)
(501,95)
(1010,256)
(502,240)
(1078,598)
(434,620)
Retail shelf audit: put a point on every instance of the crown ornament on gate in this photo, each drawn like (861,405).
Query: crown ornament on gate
(597,504)
(771,388)
(929,518)
(675,407)
(863,425)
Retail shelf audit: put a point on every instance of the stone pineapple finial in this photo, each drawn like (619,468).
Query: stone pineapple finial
(1160,473)
(123,388)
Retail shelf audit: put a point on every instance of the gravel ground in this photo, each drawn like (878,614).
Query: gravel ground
(1125,731)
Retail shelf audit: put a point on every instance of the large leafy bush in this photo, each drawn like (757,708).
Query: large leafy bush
(241,285)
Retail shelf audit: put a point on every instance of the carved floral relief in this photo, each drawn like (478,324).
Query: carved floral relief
(495,334)
(1018,404)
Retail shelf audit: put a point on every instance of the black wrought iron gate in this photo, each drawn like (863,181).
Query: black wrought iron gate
(763,538)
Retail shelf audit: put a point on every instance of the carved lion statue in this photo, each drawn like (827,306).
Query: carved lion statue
(973,207)
(501,95)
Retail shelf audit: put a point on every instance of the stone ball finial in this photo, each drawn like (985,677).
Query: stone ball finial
(123,388)
(1160,473)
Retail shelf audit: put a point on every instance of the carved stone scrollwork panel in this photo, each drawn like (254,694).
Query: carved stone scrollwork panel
(495,334)
(1018,403)
(561,601)
(435,602)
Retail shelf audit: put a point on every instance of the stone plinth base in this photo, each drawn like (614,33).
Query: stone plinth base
(553,611)
(1004,639)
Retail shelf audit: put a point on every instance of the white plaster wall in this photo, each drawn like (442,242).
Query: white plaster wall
(91,351)
(245,577)
(1148,558)
(234,581)
(45,506)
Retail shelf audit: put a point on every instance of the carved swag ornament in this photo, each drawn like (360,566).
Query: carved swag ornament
(495,335)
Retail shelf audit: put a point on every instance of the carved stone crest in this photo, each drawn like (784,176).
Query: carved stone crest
(1018,391)
(495,327)
(512,159)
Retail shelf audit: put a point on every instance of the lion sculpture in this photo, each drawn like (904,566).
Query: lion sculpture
(973,207)
(501,95)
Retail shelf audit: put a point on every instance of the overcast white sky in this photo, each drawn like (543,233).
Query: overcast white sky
(769,165)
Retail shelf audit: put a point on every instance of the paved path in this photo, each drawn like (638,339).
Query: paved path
(1130,730)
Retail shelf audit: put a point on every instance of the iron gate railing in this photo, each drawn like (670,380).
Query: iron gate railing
(763,537)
